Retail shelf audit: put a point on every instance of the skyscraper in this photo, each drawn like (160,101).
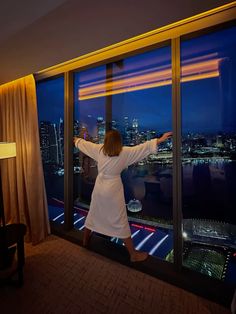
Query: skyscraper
(49,142)
(135,133)
(101,128)
(61,141)
(44,140)
(53,144)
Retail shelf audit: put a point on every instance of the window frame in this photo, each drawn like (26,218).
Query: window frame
(203,23)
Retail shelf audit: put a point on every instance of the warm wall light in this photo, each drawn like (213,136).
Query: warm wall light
(7,150)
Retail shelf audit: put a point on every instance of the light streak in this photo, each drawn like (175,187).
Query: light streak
(153,250)
(54,219)
(134,234)
(79,220)
(144,241)
(150,78)
(137,226)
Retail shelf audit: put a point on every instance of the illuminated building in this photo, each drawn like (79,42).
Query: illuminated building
(44,140)
(101,129)
(61,142)
(49,142)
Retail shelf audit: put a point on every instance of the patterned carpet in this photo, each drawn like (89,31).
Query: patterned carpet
(61,277)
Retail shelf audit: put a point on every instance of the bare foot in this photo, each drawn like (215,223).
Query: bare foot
(138,256)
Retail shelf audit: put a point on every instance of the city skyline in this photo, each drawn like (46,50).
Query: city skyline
(199,145)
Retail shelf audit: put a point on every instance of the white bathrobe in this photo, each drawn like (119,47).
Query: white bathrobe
(107,214)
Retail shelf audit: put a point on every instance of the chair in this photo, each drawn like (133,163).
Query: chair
(11,242)
(12,235)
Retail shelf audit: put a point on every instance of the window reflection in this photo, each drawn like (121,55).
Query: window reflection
(132,95)
(208,160)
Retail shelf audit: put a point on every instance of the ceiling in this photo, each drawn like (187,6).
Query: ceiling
(38,34)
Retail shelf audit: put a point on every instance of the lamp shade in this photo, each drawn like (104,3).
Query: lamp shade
(7,150)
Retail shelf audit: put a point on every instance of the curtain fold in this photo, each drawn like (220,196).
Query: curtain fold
(24,193)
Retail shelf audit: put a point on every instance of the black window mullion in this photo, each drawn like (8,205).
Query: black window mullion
(68,149)
(177,165)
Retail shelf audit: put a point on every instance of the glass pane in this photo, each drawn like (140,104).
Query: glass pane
(208,65)
(50,98)
(133,95)
(89,115)
(141,110)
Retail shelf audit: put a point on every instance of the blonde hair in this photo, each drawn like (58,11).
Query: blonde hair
(112,143)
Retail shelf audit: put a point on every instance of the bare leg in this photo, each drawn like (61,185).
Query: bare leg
(86,237)
(135,256)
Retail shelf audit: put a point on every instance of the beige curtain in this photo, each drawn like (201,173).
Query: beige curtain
(22,177)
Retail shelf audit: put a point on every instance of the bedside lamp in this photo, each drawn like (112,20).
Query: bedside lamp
(11,235)
(7,150)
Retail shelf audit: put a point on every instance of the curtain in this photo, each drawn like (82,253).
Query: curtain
(24,194)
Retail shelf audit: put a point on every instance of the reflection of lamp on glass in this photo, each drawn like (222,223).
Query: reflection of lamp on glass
(7,150)
(134,206)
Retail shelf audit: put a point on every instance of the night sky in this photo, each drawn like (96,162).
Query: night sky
(208,105)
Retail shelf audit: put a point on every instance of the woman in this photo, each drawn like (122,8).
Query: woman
(107,214)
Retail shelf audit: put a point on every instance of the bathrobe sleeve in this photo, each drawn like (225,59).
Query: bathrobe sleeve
(139,152)
(88,148)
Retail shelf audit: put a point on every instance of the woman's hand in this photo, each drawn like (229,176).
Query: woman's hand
(164,137)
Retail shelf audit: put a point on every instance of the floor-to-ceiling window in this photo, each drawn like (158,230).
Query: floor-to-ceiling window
(132,95)
(208,75)
(89,120)
(50,99)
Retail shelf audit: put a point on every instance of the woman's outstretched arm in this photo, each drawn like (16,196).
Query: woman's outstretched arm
(90,149)
(141,151)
